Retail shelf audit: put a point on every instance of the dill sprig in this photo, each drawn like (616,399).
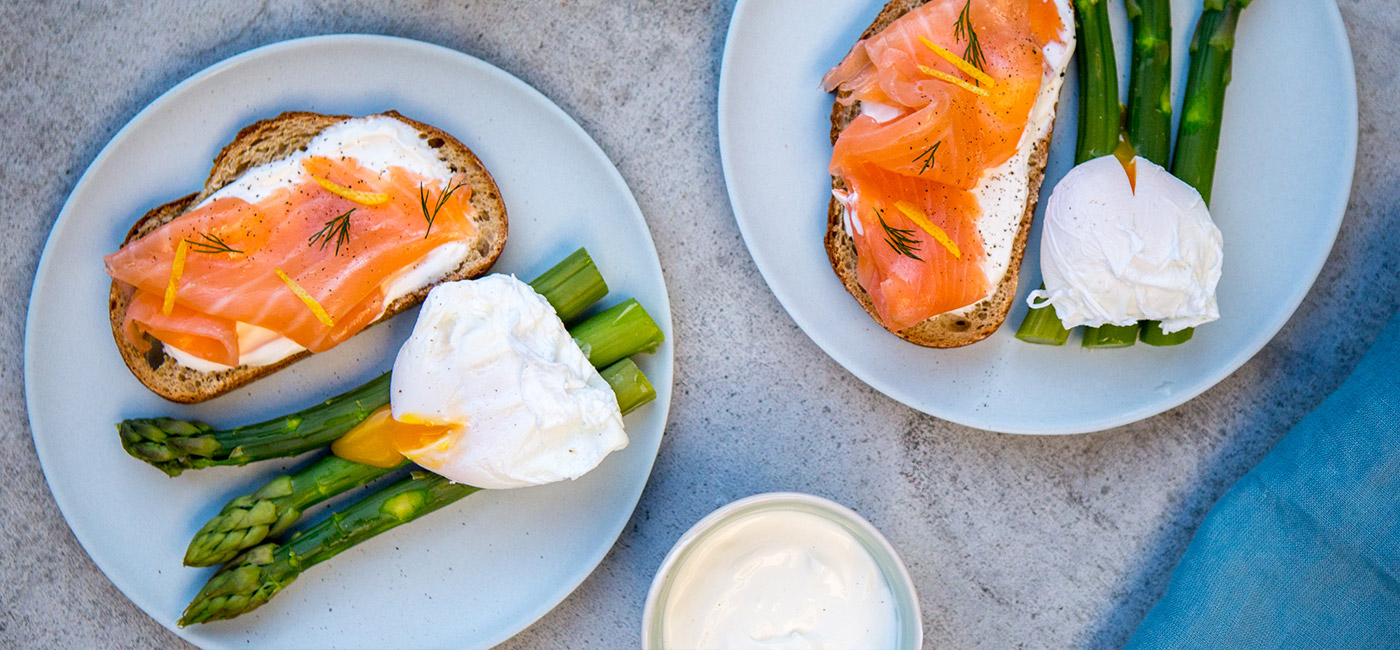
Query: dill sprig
(900,239)
(963,31)
(337,228)
(211,244)
(431,213)
(927,157)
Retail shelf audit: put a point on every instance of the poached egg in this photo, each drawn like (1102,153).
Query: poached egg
(490,390)
(1119,248)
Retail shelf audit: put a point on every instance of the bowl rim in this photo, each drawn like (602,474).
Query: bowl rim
(906,599)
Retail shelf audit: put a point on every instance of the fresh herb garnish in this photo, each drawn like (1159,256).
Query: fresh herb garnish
(211,244)
(927,157)
(338,228)
(900,239)
(963,31)
(431,213)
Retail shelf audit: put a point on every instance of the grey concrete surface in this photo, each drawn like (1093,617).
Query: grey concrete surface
(1014,542)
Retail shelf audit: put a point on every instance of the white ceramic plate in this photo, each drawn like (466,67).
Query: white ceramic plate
(470,575)
(1285,166)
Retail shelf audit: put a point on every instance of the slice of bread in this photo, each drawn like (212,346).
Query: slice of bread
(261,143)
(948,330)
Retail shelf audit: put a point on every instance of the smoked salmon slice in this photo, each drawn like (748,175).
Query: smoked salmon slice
(236,248)
(948,90)
(208,337)
(929,276)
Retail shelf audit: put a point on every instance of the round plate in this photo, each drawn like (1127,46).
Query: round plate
(1286,160)
(470,575)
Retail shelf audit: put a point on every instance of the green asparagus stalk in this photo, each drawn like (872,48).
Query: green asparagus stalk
(1100,114)
(247,520)
(571,286)
(1149,95)
(266,513)
(1110,336)
(1150,90)
(173,445)
(631,387)
(1212,49)
(1099,121)
(1198,140)
(260,573)
(1149,118)
(617,333)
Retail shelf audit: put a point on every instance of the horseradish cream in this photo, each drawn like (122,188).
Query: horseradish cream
(779,578)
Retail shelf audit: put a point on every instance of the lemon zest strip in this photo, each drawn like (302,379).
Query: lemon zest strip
(939,74)
(960,63)
(363,198)
(929,227)
(176,270)
(301,294)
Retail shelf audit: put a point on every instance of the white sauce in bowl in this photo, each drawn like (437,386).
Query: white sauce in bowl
(779,579)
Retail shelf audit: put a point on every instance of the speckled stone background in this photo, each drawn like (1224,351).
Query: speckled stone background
(1014,542)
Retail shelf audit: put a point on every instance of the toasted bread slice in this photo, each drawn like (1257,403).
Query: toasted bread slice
(948,330)
(261,143)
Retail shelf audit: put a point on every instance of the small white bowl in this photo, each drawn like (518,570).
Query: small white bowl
(906,601)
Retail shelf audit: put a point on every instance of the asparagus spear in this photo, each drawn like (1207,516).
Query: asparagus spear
(173,445)
(1100,114)
(247,520)
(1149,96)
(257,575)
(1149,117)
(1150,90)
(1198,139)
(572,285)
(1099,118)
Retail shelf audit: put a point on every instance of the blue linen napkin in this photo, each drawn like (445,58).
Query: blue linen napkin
(1304,551)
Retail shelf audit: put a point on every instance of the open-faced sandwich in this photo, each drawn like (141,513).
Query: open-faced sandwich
(943,115)
(309,229)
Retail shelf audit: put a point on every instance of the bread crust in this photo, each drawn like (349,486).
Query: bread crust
(947,330)
(262,142)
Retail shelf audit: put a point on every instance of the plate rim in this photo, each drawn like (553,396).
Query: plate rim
(1350,112)
(661,313)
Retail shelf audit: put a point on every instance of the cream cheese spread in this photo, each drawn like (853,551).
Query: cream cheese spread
(1003,192)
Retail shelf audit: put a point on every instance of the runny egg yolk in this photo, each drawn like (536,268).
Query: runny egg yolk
(380,440)
(1128,157)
